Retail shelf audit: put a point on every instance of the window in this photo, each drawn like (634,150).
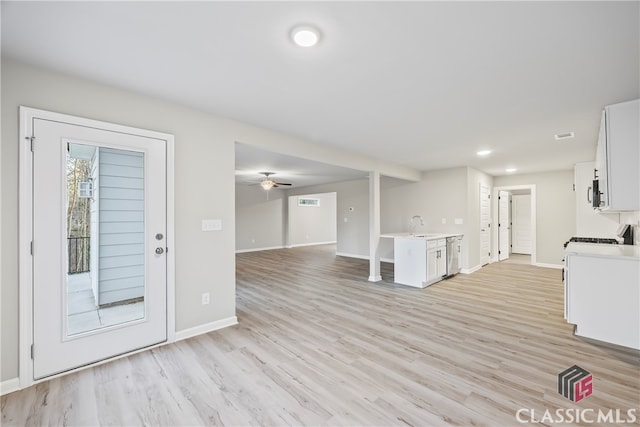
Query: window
(305,201)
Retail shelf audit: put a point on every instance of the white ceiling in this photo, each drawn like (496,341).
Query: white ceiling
(251,161)
(423,84)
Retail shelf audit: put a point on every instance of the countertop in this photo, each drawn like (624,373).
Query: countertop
(419,235)
(598,249)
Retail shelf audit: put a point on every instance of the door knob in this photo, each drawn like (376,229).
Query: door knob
(159,251)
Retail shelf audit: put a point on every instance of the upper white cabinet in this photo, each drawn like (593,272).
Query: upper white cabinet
(617,157)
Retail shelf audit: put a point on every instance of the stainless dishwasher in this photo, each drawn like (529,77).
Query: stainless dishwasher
(454,244)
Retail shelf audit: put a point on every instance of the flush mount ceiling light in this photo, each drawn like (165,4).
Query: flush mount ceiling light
(564,135)
(305,36)
(510,170)
(483,153)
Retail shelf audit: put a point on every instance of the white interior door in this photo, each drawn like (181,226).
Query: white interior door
(504,225)
(521,219)
(485,224)
(112,186)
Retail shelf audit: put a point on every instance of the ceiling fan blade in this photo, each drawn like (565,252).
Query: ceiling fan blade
(282,183)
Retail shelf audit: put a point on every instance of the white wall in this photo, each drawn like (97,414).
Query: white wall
(555,211)
(312,225)
(204,185)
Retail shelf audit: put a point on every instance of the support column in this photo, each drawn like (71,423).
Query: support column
(374,227)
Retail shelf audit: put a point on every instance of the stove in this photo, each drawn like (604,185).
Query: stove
(600,240)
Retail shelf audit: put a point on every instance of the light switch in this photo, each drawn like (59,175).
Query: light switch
(458,221)
(211,224)
(444,220)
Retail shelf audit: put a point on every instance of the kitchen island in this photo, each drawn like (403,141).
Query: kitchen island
(420,259)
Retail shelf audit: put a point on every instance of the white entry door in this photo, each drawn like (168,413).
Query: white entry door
(521,219)
(99,220)
(485,224)
(504,225)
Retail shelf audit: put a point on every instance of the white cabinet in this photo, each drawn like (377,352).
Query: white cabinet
(419,262)
(436,260)
(602,296)
(617,155)
(590,222)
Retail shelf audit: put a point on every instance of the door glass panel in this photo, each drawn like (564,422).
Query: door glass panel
(105,249)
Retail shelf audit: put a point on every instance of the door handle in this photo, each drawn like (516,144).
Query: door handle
(159,251)
(588,194)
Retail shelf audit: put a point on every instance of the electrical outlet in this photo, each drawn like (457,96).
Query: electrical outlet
(211,225)
(205,298)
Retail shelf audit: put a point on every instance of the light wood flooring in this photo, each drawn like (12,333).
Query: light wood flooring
(518,259)
(317,344)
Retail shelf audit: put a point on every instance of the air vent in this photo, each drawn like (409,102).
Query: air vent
(565,135)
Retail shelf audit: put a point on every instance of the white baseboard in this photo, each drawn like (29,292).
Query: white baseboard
(207,327)
(268,248)
(9,386)
(362,257)
(545,265)
(352,255)
(471,270)
(298,245)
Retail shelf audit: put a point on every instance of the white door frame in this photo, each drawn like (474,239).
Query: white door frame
(507,222)
(515,201)
(489,225)
(25,319)
(494,220)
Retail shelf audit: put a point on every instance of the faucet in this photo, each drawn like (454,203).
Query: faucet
(412,228)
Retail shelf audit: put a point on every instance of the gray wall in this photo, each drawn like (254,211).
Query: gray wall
(204,155)
(260,222)
(555,211)
(309,225)
(353,234)
(441,197)
(263,224)
(204,185)
(276,221)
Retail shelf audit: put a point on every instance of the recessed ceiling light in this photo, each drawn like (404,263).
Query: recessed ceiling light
(483,153)
(564,135)
(510,170)
(305,36)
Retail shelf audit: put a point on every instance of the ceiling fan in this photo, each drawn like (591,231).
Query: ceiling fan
(267,183)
